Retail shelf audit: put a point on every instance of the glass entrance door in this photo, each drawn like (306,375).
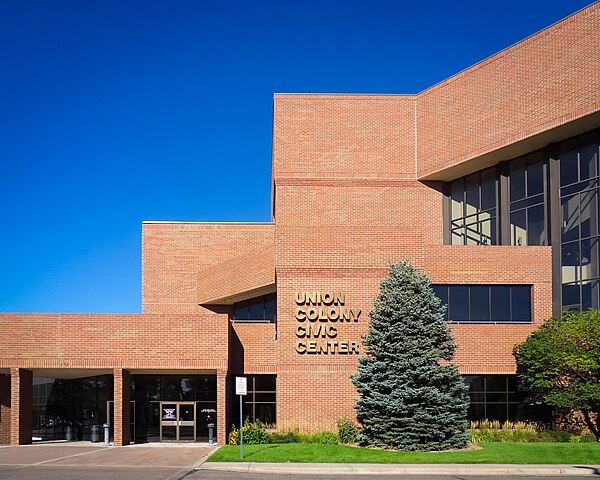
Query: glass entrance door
(177,422)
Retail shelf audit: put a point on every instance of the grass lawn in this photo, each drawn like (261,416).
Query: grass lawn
(515,453)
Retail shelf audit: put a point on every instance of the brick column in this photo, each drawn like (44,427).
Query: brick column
(4,409)
(21,406)
(122,396)
(222,407)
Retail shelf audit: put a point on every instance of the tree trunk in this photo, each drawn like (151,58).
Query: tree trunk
(593,426)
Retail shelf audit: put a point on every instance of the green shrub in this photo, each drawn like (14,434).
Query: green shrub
(323,437)
(289,437)
(254,434)
(326,438)
(554,436)
(347,430)
(305,438)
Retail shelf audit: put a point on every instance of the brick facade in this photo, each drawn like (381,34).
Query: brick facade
(21,407)
(122,415)
(357,183)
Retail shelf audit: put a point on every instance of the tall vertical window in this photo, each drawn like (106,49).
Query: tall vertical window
(473,209)
(580,235)
(527,200)
(260,402)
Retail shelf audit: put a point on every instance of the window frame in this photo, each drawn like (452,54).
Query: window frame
(248,303)
(513,312)
(251,398)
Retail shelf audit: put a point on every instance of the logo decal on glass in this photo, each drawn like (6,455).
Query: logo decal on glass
(169,414)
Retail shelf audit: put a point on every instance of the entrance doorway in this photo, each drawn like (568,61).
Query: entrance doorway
(177,421)
(152,392)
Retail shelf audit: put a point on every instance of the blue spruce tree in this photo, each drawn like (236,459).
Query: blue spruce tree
(408,400)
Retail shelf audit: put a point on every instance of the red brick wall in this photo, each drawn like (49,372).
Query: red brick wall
(21,407)
(253,348)
(540,83)
(243,273)
(223,413)
(173,254)
(122,412)
(311,132)
(114,341)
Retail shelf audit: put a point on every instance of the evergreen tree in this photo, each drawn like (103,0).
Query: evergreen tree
(408,400)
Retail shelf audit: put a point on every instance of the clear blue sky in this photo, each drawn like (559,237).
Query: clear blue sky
(117,111)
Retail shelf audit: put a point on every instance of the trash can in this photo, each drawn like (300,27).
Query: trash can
(69,433)
(95,433)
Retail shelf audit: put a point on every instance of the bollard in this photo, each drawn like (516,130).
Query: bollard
(106,427)
(211,434)
(69,434)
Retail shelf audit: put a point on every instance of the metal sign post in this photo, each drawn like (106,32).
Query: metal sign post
(241,390)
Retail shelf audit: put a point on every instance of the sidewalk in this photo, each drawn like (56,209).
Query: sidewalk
(401,469)
(97,455)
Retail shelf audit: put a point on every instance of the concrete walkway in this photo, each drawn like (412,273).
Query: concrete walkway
(96,455)
(401,469)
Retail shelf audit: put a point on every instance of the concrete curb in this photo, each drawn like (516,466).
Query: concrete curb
(401,469)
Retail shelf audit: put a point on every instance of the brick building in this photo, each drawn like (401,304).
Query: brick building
(487,181)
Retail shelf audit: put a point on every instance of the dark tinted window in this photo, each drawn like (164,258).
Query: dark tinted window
(486,303)
(535,178)
(496,397)
(259,309)
(480,302)
(588,160)
(241,310)
(458,303)
(488,189)
(517,179)
(521,303)
(500,303)
(570,295)
(271,307)
(442,293)
(568,163)
(535,225)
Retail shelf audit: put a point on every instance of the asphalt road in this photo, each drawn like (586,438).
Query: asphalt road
(32,472)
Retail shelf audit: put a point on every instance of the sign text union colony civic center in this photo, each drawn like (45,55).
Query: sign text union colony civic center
(488,182)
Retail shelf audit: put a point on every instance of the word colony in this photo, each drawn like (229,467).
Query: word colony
(316,312)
